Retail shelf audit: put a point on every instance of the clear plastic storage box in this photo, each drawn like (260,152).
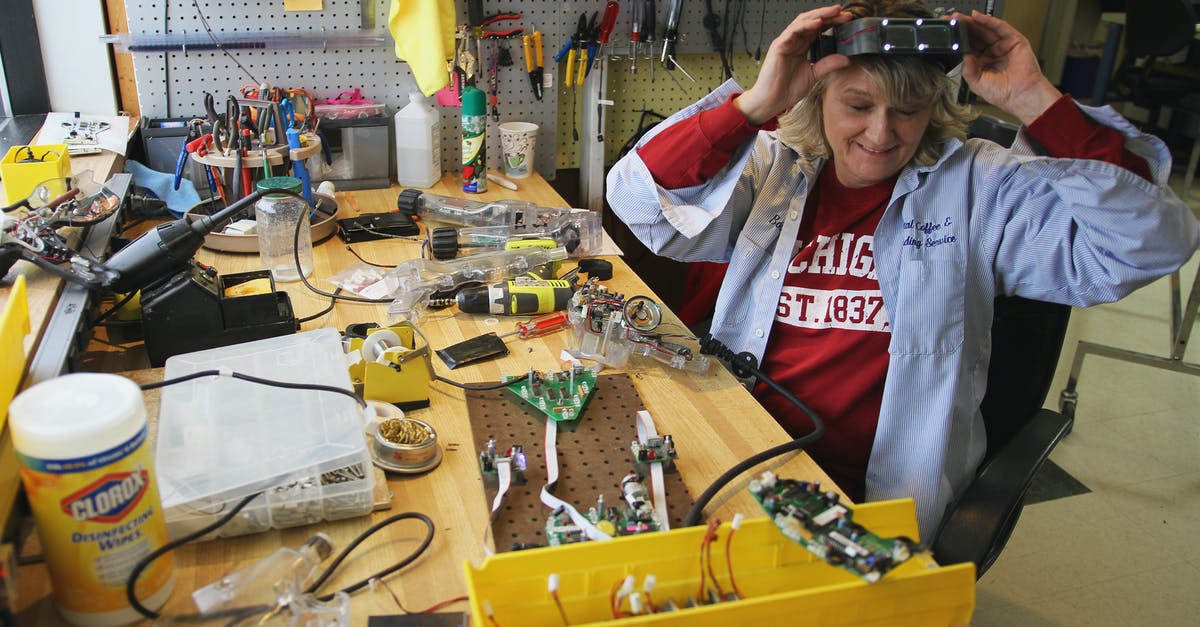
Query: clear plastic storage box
(221,439)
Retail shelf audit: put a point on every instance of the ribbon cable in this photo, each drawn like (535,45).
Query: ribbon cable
(504,480)
(553,502)
(658,487)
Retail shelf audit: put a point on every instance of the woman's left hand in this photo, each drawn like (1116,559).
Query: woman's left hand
(1003,70)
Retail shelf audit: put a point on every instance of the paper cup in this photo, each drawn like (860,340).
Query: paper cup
(517,140)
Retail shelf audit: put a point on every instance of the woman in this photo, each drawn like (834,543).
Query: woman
(866,240)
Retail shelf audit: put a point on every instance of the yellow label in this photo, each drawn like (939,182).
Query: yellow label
(97,517)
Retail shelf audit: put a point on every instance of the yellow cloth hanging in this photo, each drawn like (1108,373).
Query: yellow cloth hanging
(424,34)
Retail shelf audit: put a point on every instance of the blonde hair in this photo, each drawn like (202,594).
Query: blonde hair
(903,82)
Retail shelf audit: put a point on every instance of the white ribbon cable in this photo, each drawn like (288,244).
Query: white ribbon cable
(504,481)
(553,502)
(658,486)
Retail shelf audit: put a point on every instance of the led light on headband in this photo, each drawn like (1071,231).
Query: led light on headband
(943,40)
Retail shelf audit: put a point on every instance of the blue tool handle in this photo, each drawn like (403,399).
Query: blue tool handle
(179,164)
(562,53)
(298,167)
(212,183)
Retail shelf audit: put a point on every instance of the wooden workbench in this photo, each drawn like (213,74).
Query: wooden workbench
(714,421)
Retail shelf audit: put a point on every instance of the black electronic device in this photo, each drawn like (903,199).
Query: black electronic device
(190,311)
(943,40)
(373,226)
(475,349)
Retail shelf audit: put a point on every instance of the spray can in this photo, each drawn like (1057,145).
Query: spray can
(86,465)
(474,135)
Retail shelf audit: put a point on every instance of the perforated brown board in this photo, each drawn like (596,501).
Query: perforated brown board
(593,457)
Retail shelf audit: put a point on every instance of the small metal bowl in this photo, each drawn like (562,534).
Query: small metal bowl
(405,458)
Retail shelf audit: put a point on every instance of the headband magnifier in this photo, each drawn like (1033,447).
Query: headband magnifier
(943,40)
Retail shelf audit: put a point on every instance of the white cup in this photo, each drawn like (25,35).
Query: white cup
(517,141)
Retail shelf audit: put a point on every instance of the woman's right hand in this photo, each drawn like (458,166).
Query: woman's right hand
(787,75)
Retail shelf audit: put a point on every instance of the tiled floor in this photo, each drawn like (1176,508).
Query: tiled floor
(1128,552)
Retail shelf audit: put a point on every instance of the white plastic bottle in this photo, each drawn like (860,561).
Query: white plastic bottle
(418,143)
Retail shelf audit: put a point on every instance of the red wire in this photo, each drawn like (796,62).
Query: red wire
(437,606)
(712,535)
(729,563)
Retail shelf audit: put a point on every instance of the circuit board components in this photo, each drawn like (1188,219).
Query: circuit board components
(562,396)
(656,450)
(636,515)
(490,459)
(826,527)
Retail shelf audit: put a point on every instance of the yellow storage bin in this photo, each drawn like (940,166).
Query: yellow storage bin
(779,580)
(14,326)
(26,167)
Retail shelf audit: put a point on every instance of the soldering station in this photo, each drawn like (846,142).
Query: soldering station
(293,316)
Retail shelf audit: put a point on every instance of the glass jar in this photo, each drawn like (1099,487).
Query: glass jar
(276,216)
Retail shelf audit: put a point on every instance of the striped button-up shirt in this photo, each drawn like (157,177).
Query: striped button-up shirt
(981,221)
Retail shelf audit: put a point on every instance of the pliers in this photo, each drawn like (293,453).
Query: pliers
(180,161)
(577,49)
(499,34)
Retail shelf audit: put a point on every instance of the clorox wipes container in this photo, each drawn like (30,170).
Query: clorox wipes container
(86,465)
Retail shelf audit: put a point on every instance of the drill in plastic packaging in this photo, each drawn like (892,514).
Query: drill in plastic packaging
(412,282)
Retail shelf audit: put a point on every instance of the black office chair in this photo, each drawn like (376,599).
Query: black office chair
(1027,338)
(1155,29)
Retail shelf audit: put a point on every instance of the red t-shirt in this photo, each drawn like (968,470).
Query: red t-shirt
(829,341)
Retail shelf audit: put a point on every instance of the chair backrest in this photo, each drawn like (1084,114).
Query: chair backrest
(1027,338)
(1159,28)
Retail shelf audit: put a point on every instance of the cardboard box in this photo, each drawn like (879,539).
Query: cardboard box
(26,167)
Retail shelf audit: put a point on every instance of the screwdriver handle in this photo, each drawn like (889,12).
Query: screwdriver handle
(608,21)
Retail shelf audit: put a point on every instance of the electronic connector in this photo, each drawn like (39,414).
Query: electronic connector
(817,521)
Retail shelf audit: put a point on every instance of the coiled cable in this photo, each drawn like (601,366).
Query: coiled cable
(742,365)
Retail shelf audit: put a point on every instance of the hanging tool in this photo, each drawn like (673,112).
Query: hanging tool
(489,33)
(635,33)
(571,51)
(606,25)
(476,19)
(493,80)
(650,30)
(534,63)
(671,37)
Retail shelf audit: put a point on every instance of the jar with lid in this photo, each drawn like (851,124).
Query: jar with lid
(276,216)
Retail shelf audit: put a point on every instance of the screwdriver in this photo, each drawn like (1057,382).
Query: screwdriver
(542,325)
(649,28)
(635,33)
(606,26)
(672,34)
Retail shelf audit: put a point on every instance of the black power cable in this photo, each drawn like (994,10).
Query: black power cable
(745,364)
(241,613)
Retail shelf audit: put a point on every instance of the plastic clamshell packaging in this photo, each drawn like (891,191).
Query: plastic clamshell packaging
(221,439)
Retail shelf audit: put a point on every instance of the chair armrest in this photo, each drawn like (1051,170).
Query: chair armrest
(978,525)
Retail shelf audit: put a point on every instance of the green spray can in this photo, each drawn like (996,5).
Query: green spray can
(474,136)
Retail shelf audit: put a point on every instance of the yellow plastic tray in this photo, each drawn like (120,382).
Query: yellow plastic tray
(778,578)
(14,326)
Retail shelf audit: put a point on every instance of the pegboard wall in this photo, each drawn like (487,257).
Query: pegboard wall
(172,84)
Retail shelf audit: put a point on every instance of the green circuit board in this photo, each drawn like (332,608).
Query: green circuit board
(817,521)
(561,396)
